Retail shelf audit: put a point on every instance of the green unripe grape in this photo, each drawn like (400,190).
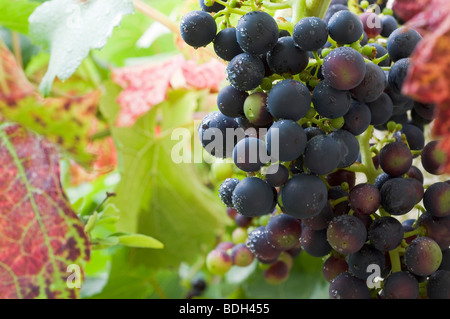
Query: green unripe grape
(239,235)
(277,273)
(233,3)
(364,4)
(208,3)
(391,126)
(218,262)
(287,259)
(388,12)
(241,255)
(337,123)
(222,171)
(368,50)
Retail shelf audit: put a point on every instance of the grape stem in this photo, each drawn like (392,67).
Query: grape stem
(366,155)
(395,260)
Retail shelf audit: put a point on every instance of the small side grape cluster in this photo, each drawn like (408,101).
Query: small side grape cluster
(320,105)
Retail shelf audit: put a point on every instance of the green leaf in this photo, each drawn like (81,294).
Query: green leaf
(14,14)
(305,282)
(139,240)
(158,197)
(71,29)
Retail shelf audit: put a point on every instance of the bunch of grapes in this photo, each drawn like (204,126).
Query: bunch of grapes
(330,150)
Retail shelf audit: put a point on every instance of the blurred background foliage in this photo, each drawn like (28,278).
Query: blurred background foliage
(134,186)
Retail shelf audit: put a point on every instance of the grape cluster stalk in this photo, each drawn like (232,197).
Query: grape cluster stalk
(331,156)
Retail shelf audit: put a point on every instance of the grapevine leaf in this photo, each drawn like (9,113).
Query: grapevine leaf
(71,29)
(303,282)
(426,80)
(158,197)
(138,240)
(66,121)
(146,85)
(14,14)
(40,234)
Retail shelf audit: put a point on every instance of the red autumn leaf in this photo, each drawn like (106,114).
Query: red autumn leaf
(406,9)
(146,85)
(40,234)
(427,79)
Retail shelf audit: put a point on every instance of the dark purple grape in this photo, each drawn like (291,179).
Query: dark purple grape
(365,198)
(445,264)
(334,266)
(289,99)
(285,58)
(344,68)
(438,286)
(257,32)
(332,9)
(312,131)
(381,179)
(243,221)
(241,255)
(198,28)
(381,109)
(310,34)
(347,286)
(226,190)
(314,242)
(225,44)
(321,220)
(217,134)
(230,101)
(371,23)
(216,7)
(436,228)
(358,262)
(245,72)
(285,140)
(436,199)
(414,136)
(385,233)
(330,102)
(341,176)
(303,196)
(372,86)
(433,158)
(276,175)
(358,118)
(283,231)
(253,197)
(250,154)
(346,234)
(425,111)
(260,247)
(345,27)
(318,148)
(402,42)
(423,256)
(395,159)
(401,285)
(277,273)
(255,109)
(398,196)
(416,173)
(388,25)
(397,75)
